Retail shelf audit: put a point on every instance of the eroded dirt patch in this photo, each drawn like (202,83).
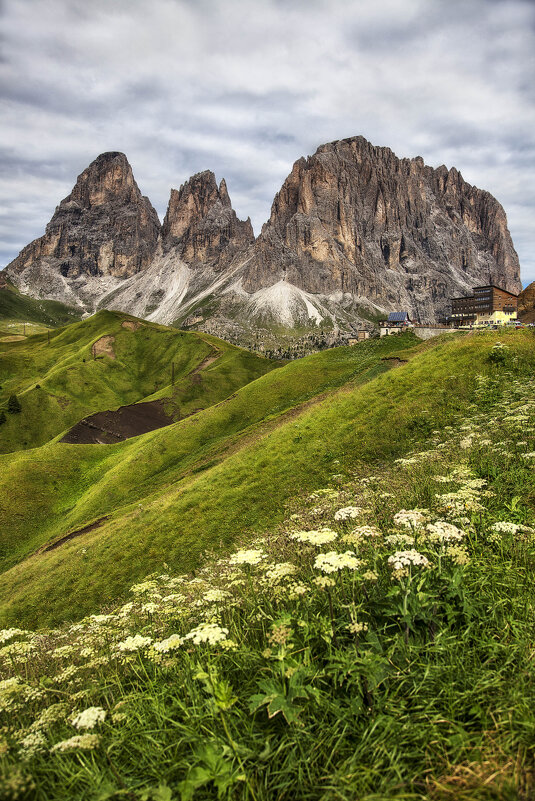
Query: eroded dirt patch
(394,361)
(130,325)
(106,428)
(104,347)
(72,534)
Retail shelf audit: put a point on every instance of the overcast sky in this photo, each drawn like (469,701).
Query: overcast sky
(245,87)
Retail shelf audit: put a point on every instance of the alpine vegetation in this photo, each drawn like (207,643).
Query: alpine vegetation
(375,644)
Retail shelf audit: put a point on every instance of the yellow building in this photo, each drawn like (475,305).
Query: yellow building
(496,317)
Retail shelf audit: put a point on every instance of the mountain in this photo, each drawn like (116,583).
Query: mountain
(526,304)
(354,232)
(354,221)
(102,233)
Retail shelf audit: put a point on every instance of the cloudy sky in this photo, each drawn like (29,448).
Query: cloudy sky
(245,87)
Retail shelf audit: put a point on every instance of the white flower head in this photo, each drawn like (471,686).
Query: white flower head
(316,537)
(89,718)
(411,518)
(348,512)
(403,559)
(252,556)
(135,643)
(209,633)
(333,561)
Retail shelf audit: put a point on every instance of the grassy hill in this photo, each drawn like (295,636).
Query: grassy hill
(173,494)
(15,307)
(362,626)
(107,361)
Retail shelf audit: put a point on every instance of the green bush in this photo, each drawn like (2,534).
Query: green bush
(13,405)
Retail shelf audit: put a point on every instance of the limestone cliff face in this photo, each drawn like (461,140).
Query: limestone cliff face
(352,229)
(105,227)
(526,304)
(201,225)
(353,218)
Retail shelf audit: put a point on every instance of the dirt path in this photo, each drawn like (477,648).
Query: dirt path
(72,534)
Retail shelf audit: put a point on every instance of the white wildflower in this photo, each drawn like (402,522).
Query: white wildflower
(402,559)
(82,742)
(315,537)
(207,632)
(135,643)
(172,642)
(89,718)
(333,561)
(8,634)
(440,531)
(411,518)
(247,557)
(348,512)
(356,628)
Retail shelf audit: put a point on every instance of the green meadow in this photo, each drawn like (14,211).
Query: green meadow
(320,587)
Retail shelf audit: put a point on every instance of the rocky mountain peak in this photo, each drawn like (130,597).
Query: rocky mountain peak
(354,219)
(108,179)
(104,227)
(200,223)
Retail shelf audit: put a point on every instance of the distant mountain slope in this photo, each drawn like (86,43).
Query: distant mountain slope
(110,360)
(353,232)
(526,304)
(15,306)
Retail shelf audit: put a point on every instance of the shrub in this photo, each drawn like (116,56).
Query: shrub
(2,417)
(13,405)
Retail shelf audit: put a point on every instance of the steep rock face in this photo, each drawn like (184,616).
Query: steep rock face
(201,238)
(353,218)
(526,304)
(105,227)
(201,225)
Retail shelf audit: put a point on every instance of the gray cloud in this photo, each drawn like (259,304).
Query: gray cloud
(244,88)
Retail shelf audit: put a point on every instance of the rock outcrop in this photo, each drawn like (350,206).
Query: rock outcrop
(104,228)
(526,304)
(201,226)
(354,219)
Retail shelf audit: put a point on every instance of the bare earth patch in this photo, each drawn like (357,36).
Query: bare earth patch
(106,428)
(130,325)
(104,347)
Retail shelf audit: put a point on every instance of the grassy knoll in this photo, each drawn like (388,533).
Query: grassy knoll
(16,307)
(374,644)
(59,381)
(200,484)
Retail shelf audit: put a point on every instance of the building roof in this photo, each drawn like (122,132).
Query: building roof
(495,286)
(398,317)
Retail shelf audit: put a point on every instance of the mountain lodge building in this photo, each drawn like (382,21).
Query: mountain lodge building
(489,305)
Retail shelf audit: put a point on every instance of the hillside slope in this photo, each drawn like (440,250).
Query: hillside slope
(108,361)
(200,484)
(17,307)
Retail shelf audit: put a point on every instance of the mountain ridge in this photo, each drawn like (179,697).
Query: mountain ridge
(352,228)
